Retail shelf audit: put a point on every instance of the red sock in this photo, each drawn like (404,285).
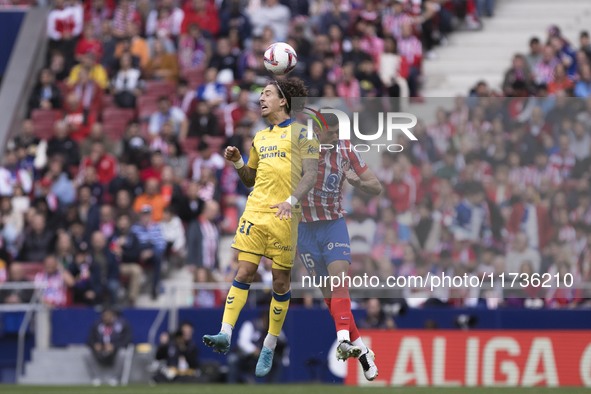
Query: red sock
(353,331)
(327,302)
(341,308)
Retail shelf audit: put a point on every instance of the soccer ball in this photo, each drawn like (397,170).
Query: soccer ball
(280,58)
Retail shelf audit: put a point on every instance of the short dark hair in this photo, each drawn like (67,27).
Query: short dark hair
(290,88)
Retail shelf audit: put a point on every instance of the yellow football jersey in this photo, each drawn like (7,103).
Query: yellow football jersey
(277,153)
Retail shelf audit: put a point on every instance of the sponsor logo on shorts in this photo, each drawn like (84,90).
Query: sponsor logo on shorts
(332,245)
(285,248)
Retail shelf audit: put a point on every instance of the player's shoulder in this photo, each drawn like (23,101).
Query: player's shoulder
(260,135)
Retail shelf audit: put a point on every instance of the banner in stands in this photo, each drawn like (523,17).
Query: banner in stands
(478,358)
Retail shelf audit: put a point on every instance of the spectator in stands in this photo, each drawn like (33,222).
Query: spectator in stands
(224,59)
(166,112)
(134,147)
(126,85)
(583,85)
(164,22)
(99,12)
(535,53)
(544,69)
(11,176)
(53,282)
(585,43)
(208,158)
(375,317)
(154,168)
(124,14)
(96,71)
(128,180)
(38,240)
(109,44)
(561,81)
(520,252)
(194,49)
(163,65)
(203,121)
(46,94)
(16,296)
(393,69)
(97,134)
(232,17)
(174,235)
(152,245)
(126,246)
(89,42)
(411,49)
(151,197)
(64,25)
(188,206)
(26,138)
(103,162)
(203,14)
(166,142)
(178,357)
(79,268)
(519,72)
(64,249)
(212,91)
(135,44)
(104,270)
(203,238)
(11,226)
(106,339)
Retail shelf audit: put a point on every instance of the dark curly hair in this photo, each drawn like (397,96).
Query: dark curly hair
(290,88)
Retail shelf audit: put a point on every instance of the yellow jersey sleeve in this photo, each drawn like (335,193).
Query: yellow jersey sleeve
(309,148)
(253,158)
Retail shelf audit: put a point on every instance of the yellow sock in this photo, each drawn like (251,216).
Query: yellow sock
(278,311)
(235,301)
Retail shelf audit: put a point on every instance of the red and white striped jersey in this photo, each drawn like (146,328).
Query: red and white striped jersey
(324,201)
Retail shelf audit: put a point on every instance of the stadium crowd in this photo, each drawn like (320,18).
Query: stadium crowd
(117,172)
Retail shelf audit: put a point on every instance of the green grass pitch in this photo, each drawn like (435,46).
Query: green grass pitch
(274,389)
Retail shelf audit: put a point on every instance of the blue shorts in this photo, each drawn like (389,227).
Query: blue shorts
(320,243)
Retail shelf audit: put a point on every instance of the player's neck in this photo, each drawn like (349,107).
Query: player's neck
(277,118)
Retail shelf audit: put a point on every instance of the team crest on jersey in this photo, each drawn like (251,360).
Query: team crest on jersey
(283,135)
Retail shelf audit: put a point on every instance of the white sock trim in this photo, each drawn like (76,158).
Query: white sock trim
(227,329)
(270,341)
(343,335)
(359,342)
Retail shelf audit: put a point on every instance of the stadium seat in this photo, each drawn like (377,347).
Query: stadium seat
(44,130)
(118,115)
(46,115)
(215,143)
(194,77)
(147,105)
(159,88)
(190,144)
(114,130)
(30,269)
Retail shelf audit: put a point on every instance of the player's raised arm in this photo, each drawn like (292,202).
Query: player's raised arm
(366,181)
(310,172)
(246,173)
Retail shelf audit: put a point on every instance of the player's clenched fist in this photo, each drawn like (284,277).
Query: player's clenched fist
(232,154)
